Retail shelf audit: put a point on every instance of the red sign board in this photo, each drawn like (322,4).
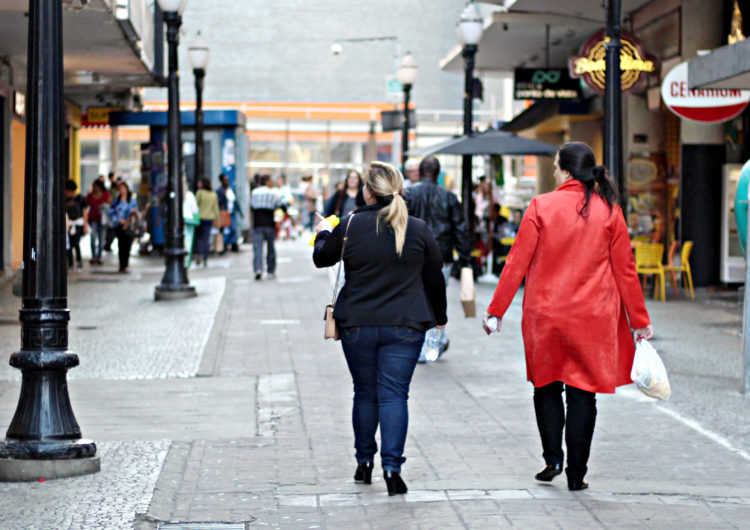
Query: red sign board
(705,105)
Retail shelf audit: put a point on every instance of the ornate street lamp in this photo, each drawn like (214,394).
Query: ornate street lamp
(406,74)
(470,27)
(198,53)
(44,427)
(174,283)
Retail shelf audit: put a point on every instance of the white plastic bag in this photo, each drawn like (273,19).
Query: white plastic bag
(648,372)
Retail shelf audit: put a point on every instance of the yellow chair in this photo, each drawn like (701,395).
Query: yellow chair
(683,268)
(648,259)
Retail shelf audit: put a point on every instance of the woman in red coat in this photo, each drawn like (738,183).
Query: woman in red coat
(581,299)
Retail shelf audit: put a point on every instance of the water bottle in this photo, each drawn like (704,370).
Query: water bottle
(432,344)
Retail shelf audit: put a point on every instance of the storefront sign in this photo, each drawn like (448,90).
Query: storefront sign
(99,115)
(545,83)
(709,105)
(591,65)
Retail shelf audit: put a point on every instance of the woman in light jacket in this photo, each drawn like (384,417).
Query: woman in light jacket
(394,292)
(208,211)
(581,299)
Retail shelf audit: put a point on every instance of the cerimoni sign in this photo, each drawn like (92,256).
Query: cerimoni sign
(703,105)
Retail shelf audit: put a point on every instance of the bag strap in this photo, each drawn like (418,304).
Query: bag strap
(341,260)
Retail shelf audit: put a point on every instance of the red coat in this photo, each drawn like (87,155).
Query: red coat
(581,289)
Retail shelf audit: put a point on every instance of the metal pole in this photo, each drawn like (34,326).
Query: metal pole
(200,165)
(44,426)
(469,53)
(613,103)
(174,283)
(405,128)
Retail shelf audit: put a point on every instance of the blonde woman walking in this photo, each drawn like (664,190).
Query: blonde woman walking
(394,292)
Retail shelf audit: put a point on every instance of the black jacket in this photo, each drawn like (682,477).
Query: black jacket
(383,289)
(440,209)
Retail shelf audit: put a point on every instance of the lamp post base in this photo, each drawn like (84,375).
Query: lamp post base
(174,292)
(26,470)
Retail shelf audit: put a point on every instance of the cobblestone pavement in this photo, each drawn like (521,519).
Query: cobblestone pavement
(119,332)
(263,438)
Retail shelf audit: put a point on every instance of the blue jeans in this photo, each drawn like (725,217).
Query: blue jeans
(261,234)
(230,232)
(203,238)
(98,233)
(381,360)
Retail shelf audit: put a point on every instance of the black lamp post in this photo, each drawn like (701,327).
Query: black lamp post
(44,427)
(613,102)
(406,74)
(198,53)
(174,284)
(470,27)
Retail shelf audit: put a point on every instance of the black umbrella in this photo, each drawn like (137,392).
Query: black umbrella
(489,142)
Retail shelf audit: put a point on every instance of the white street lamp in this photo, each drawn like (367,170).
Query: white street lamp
(199,53)
(471,24)
(407,70)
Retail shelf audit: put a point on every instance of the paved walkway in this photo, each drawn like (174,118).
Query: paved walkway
(261,436)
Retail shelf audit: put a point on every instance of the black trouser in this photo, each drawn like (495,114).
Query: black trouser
(75,234)
(124,242)
(579,425)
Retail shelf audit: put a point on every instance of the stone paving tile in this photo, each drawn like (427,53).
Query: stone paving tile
(134,337)
(109,499)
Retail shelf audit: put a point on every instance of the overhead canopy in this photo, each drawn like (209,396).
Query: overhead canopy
(105,53)
(520,40)
(725,67)
(591,9)
(518,37)
(489,142)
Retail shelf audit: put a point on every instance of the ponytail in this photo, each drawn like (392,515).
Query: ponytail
(397,215)
(387,183)
(578,159)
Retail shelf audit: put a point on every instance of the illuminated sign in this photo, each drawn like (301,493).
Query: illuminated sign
(704,105)
(591,64)
(545,83)
(19,104)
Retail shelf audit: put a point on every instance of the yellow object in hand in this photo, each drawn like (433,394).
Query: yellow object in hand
(334,220)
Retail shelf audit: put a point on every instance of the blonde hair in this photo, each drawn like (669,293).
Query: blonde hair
(387,183)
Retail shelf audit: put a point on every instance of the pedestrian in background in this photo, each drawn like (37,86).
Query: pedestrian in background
(310,199)
(348,198)
(76,208)
(110,234)
(228,203)
(124,214)
(191,216)
(98,203)
(263,201)
(208,211)
(440,209)
(412,172)
(581,299)
(394,292)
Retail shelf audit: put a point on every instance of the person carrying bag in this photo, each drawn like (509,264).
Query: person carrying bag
(581,299)
(394,293)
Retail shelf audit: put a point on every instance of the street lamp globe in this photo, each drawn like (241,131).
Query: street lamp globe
(199,53)
(172,5)
(407,70)
(471,24)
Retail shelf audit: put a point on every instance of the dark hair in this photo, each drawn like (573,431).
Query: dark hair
(70,185)
(206,183)
(127,188)
(265,180)
(578,159)
(98,184)
(429,167)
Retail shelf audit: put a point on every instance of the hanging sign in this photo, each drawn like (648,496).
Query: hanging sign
(704,105)
(545,83)
(591,64)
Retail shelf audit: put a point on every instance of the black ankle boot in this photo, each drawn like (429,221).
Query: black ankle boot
(364,473)
(577,485)
(549,472)
(395,483)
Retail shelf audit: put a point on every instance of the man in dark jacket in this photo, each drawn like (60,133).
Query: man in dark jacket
(442,212)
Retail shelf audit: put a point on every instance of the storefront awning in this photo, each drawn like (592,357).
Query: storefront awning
(591,9)
(544,110)
(520,40)
(725,67)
